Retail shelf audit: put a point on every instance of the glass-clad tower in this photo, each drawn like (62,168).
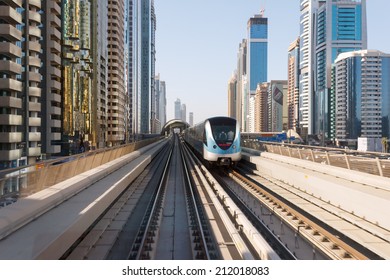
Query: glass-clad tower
(257,53)
(340,26)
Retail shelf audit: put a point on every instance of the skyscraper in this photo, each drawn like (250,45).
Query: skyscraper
(144,28)
(116,115)
(362,95)
(80,94)
(257,62)
(340,26)
(293,85)
(51,83)
(178,109)
(160,89)
(257,51)
(241,79)
(306,70)
(183,112)
(20,83)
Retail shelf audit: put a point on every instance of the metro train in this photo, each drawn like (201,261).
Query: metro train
(216,139)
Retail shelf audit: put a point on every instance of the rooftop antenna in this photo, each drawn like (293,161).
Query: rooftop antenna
(262,8)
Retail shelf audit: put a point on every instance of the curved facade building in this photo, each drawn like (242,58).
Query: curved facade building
(362,95)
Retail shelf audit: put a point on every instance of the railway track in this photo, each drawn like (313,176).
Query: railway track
(324,239)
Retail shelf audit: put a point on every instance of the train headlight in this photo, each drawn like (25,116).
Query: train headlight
(215,146)
(234,146)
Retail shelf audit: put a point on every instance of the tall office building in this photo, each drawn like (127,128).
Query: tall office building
(293,86)
(340,26)
(160,89)
(178,109)
(143,29)
(20,83)
(257,51)
(362,95)
(183,112)
(116,115)
(257,59)
(51,83)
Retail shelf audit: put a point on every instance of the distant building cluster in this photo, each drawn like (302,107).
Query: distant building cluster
(76,75)
(336,90)
(181,112)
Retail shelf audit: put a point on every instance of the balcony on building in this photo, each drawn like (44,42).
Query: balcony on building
(10,67)
(10,119)
(10,154)
(36,3)
(10,32)
(10,84)
(34,136)
(11,102)
(34,152)
(34,121)
(10,137)
(10,15)
(10,49)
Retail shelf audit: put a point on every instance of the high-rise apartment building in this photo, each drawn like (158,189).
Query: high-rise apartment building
(20,83)
(51,127)
(261,108)
(99,37)
(241,83)
(362,93)
(293,86)
(116,115)
(340,26)
(306,70)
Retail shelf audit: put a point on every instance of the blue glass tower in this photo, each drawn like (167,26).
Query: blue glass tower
(340,27)
(257,51)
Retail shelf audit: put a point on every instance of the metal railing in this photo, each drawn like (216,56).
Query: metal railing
(368,162)
(24,181)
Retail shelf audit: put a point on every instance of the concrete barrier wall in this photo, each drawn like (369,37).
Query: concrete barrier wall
(74,204)
(343,188)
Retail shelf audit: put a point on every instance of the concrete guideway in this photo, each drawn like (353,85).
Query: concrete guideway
(360,200)
(73,205)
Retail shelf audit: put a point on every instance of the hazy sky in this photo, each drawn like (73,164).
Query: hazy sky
(197,43)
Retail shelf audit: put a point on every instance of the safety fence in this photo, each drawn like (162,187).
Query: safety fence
(368,162)
(24,181)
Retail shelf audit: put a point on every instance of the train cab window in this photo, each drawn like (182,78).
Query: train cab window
(223,130)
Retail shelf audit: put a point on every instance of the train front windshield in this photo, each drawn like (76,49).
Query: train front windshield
(224,131)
